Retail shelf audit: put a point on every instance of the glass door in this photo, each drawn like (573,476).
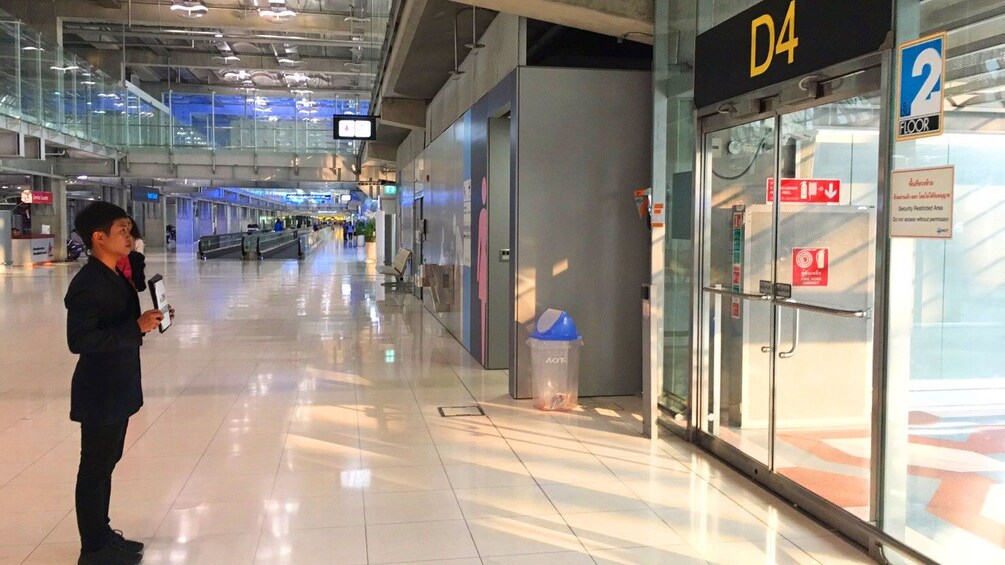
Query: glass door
(788,258)
(738,240)
(825,269)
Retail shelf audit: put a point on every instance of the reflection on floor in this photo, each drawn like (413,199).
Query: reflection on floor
(955,480)
(291,417)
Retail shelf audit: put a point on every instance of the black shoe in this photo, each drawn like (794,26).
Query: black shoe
(118,540)
(109,555)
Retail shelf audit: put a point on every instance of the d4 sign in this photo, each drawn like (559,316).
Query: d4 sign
(787,40)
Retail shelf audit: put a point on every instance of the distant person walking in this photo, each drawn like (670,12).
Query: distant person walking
(105,328)
(350,234)
(279,225)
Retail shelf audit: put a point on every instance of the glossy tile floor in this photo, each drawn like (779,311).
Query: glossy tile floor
(291,417)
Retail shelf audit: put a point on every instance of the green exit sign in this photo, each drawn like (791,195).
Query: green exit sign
(390,190)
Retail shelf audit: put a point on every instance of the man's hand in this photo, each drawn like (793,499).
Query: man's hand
(149,321)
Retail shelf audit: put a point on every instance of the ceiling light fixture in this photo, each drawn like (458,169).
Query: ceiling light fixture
(32,48)
(191,9)
(277,12)
(64,69)
(88,82)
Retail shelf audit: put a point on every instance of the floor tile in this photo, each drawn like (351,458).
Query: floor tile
(519,535)
(503,501)
(593,497)
(316,546)
(284,515)
(681,554)
(402,507)
(232,549)
(623,528)
(395,543)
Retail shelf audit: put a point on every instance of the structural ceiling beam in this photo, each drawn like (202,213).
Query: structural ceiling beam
(403,113)
(214,61)
(160,14)
(631,19)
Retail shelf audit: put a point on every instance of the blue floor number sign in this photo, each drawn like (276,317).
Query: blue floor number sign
(921,87)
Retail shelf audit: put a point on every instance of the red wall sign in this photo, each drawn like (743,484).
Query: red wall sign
(41,198)
(806,191)
(32,197)
(810,266)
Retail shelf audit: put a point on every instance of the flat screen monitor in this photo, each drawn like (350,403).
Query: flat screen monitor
(351,127)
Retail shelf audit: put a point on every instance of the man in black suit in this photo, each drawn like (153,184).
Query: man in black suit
(104,326)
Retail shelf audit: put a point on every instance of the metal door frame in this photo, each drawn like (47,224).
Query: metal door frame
(866,75)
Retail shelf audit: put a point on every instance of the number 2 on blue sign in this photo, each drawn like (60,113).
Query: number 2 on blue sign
(787,40)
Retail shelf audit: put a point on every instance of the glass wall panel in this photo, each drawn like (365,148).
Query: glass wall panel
(945,443)
(673,176)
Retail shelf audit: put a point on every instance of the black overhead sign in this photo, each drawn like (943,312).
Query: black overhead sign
(777,40)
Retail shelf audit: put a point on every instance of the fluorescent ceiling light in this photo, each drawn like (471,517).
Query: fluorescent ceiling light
(64,69)
(32,48)
(191,9)
(88,82)
(277,12)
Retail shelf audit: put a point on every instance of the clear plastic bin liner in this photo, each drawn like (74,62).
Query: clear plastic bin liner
(555,373)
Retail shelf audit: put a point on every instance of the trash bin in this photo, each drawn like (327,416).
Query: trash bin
(554,358)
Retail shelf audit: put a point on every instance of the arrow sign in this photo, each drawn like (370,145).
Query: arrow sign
(806,191)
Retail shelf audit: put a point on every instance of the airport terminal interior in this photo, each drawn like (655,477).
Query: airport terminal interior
(507,282)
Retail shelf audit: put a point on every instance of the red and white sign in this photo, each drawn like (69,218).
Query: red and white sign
(810,266)
(734,309)
(806,191)
(30,197)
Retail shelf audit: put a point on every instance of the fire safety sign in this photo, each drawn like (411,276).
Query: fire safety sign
(810,266)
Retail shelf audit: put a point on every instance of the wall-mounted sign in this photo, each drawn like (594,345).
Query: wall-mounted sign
(810,266)
(739,214)
(145,195)
(350,127)
(921,203)
(777,40)
(806,191)
(659,215)
(920,87)
(32,197)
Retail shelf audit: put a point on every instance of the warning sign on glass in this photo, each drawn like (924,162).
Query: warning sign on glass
(810,266)
(806,191)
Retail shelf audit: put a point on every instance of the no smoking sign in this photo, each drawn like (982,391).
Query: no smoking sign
(810,266)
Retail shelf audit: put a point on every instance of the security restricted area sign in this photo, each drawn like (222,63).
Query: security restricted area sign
(810,266)
(921,203)
(921,87)
(806,191)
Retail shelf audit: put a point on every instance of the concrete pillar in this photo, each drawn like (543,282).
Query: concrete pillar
(53,215)
(153,225)
(184,221)
(205,219)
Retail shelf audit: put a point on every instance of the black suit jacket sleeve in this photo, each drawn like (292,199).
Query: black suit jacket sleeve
(84,333)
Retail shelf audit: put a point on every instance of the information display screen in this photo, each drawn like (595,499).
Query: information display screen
(350,127)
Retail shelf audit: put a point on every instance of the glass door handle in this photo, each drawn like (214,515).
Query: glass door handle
(795,338)
(789,303)
(719,289)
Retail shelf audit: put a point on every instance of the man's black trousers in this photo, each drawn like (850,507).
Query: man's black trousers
(100,449)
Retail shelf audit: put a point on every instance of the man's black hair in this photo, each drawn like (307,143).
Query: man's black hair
(99,216)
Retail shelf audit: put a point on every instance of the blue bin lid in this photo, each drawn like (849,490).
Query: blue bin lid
(555,325)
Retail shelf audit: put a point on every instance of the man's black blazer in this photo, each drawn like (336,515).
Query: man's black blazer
(102,310)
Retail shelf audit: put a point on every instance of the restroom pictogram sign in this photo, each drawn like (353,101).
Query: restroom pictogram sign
(810,266)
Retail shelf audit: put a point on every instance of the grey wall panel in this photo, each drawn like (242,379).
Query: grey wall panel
(443,203)
(500,289)
(584,147)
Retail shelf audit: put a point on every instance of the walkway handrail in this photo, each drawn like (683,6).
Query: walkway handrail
(220,242)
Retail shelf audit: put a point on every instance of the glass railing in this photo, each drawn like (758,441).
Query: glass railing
(44,85)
